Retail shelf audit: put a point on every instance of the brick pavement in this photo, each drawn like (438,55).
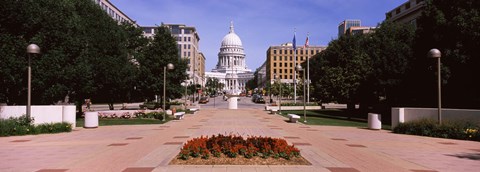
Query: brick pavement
(151,147)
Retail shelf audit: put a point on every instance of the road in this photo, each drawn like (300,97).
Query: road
(243,103)
(217,102)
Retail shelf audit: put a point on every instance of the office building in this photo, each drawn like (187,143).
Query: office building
(359,30)
(346,24)
(407,13)
(280,60)
(114,12)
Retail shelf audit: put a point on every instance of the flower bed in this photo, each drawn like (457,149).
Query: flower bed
(222,149)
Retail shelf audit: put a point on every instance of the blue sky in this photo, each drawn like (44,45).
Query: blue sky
(258,23)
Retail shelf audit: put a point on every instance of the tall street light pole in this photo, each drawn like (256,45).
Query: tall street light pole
(435,53)
(299,68)
(279,94)
(32,49)
(170,67)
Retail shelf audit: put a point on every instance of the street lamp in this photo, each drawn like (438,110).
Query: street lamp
(279,94)
(435,53)
(270,88)
(32,49)
(170,67)
(299,68)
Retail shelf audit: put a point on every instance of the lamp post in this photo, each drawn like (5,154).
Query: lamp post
(170,67)
(32,49)
(186,94)
(435,53)
(279,94)
(299,68)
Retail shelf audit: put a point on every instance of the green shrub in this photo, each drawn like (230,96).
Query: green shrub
(54,127)
(151,115)
(300,104)
(464,130)
(174,103)
(16,126)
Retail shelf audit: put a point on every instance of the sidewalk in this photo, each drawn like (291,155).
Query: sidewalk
(151,147)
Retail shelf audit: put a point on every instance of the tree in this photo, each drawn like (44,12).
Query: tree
(85,53)
(159,52)
(344,66)
(212,85)
(390,50)
(453,28)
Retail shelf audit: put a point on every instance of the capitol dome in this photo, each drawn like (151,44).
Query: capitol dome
(231,39)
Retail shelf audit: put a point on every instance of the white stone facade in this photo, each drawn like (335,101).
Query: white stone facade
(231,68)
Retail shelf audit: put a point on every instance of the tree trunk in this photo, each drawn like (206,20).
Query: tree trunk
(79,108)
(350,109)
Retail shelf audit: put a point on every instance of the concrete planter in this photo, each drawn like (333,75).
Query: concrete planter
(91,120)
(374,121)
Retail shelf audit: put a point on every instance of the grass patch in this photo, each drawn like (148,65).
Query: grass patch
(331,118)
(120,121)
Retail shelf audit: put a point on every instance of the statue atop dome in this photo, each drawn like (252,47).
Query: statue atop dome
(231,27)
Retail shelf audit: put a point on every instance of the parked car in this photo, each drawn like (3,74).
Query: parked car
(203,100)
(260,100)
(255,96)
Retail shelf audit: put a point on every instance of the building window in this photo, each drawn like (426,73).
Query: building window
(291,58)
(188,46)
(189,39)
(184,39)
(274,58)
(398,10)
(280,64)
(274,64)
(291,71)
(274,51)
(407,5)
(285,64)
(274,71)
(291,77)
(285,51)
(279,70)
(312,52)
(291,64)
(291,51)
(188,54)
(285,70)
(185,54)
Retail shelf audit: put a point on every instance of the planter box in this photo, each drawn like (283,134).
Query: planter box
(42,114)
(401,115)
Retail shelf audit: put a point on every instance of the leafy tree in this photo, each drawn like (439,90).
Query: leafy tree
(344,66)
(453,28)
(85,53)
(213,85)
(159,52)
(390,49)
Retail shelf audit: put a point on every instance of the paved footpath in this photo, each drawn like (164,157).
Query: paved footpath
(151,147)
